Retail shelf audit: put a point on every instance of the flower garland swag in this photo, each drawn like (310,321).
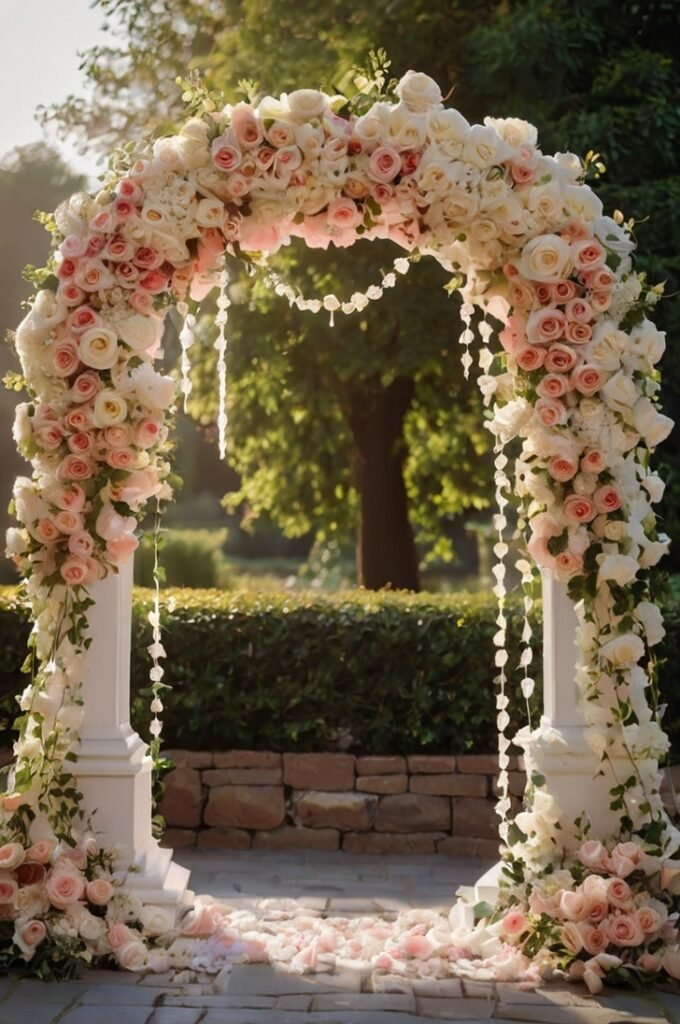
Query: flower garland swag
(574,379)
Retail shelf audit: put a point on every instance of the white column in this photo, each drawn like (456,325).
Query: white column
(114,768)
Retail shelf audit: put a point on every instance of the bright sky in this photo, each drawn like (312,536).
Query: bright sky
(39,46)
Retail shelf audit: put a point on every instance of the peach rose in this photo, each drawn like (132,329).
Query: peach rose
(553,385)
(595,940)
(11,856)
(578,334)
(63,888)
(75,467)
(530,358)
(551,412)
(600,301)
(649,920)
(578,509)
(560,359)
(587,254)
(75,571)
(121,458)
(66,359)
(41,852)
(562,291)
(147,432)
(28,935)
(567,564)
(68,522)
(588,379)
(118,551)
(607,499)
(623,930)
(119,935)
(99,891)
(545,325)
(561,468)
(343,213)
(618,892)
(593,461)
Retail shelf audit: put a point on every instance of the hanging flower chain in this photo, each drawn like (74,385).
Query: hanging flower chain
(187,338)
(331,303)
(223,303)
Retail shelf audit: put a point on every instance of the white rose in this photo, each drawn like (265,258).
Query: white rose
(98,348)
(448,126)
(109,408)
(613,236)
(484,147)
(140,332)
(654,486)
(16,541)
(304,104)
(615,530)
(623,650)
(648,341)
(192,144)
(650,618)
(619,569)
(619,392)
(653,551)
(581,201)
(607,346)
(167,153)
(513,130)
(210,213)
(70,716)
(419,93)
(509,419)
(29,506)
(154,390)
(546,201)
(156,920)
(91,928)
(405,130)
(22,429)
(545,258)
(650,423)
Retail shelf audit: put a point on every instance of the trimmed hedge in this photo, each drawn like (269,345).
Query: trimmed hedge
(375,673)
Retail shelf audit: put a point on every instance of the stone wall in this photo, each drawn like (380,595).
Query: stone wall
(242,799)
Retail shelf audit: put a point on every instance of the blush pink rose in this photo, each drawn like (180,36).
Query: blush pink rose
(578,508)
(562,291)
(543,292)
(560,359)
(343,213)
(600,301)
(31,933)
(595,940)
(8,890)
(579,310)
(530,358)
(594,856)
(81,443)
(121,458)
(118,436)
(118,551)
(49,437)
(545,325)
(512,337)
(649,920)
(587,254)
(384,164)
(85,386)
(63,888)
(247,130)
(99,892)
(119,934)
(75,467)
(561,468)
(514,923)
(573,905)
(618,892)
(68,522)
(46,531)
(599,280)
(537,546)
(42,851)
(154,282)
(588,379)
(551,412)
(129,189)
(147,432)
(71,293)
(567,564)
(593,461)
(81,545)
(66,359)
(607,499)
(623,930)
(141,302)
(578,334)
(75,571)
(417,946)
(78,419)
(553,385)
(649,962)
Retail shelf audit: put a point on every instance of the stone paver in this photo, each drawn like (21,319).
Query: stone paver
(323,882)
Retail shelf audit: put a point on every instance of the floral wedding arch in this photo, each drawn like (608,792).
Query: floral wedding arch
(573,377)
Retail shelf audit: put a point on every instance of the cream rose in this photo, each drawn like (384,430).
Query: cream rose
(419,93)
(304,104)
(619,392)
(154,390)
(620,569)
(156,920)
(624,650)
(140,332)
(109,408)
(650,423)
(545,258)
(98,348)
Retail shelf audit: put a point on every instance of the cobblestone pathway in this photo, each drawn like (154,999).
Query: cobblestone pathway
(337,884)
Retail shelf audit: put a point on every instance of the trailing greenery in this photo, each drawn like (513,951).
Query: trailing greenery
(371,672)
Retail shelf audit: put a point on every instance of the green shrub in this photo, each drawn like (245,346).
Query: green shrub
(189,558)
(386,672)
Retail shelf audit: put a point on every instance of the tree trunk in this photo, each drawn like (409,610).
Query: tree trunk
(386,551)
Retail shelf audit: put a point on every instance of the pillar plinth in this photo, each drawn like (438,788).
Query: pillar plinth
(113,767)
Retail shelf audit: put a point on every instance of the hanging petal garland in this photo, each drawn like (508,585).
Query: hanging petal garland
(575,380)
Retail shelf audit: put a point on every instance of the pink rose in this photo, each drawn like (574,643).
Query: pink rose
(649,920)
(71,498)
(8,890)
(81,443)
(562,291)
(595,940)
(343,213)
(118,249)
(543,292)
(138,486)
(154,282)
(579,310)
(578,334)
(623,930)
(545,325)
(384,164)
(147,433)
(607,499)
(600,301)
(122,209)
(118,436)
(417,946)
(127,275)
(573,905)
(537,546)
(618,892)
(68,522)
(49,437)
(75,467)
(85,386)
(551,412)
(46,531)
(42,851)
(553,385)
(246,129)
(147,258)
(514,923)
(522,295)
(593,461)
(530,358)
(71,294)
(29,934)
(63,888)
(599,280)
(78,419)
(597,910)
(512,336)
(649,962)
(578,508)
(118,551)
(99,892)
(75,571)
(133,956)
(141,302)
(588,379)
(561,468)
(121,458)
(567,564)
(587,254)
(66,269)
(81,545)
(66,359)
(560,359)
